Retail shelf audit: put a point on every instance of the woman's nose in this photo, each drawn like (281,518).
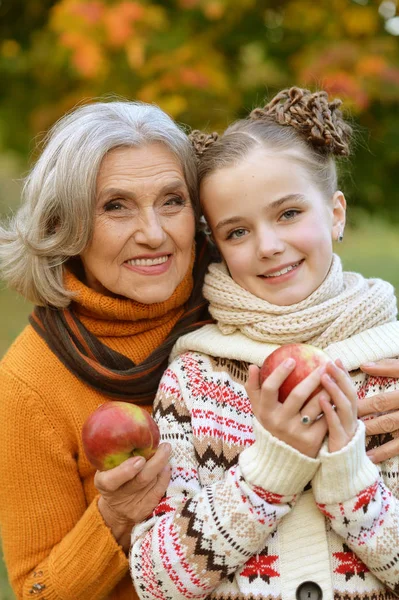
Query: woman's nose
(150,231)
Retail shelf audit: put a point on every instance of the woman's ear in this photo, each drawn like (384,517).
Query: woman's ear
(339,216)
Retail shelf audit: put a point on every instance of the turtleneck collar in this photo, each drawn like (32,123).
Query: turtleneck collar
(108,316)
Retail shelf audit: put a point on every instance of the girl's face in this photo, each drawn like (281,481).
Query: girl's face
(272,225)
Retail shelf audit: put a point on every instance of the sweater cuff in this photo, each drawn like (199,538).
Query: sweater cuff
(94,556)
(345,473)
(274,465)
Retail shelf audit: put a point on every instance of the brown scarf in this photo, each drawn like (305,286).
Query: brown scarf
(67,334)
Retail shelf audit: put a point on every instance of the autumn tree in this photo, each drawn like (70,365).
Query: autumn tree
(207,62)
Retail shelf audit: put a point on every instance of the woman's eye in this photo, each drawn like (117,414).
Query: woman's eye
(113,205)
(237,233)
(290,214)
(174,201)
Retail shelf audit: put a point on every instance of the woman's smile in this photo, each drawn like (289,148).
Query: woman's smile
(157,264)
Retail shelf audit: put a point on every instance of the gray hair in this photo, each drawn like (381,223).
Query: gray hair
(55,221)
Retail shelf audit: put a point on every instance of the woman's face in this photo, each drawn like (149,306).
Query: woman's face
(272,225)
(143,225)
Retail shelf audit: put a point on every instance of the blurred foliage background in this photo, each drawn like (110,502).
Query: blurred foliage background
(206,63)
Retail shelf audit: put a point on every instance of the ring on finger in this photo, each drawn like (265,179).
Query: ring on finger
(306,420)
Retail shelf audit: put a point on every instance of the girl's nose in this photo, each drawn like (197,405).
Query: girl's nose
(269,244)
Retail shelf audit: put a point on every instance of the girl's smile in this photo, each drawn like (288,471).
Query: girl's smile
(280,274)
(272,224)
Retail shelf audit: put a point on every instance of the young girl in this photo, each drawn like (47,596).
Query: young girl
(271,500)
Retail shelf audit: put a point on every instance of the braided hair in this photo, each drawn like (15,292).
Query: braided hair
(300,124)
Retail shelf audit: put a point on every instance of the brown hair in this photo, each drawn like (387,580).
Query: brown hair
(296,122)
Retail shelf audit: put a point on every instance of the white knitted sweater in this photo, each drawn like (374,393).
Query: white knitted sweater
(236,522)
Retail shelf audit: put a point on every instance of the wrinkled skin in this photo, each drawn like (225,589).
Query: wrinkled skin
(380,403)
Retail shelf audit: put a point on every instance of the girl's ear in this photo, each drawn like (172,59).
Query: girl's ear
(339,216)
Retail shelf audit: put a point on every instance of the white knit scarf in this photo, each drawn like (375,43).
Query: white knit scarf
(345,304)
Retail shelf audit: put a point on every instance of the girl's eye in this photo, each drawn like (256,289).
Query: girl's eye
(237,233)
(290,214)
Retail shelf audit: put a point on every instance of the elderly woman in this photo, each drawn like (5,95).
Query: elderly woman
(104,245)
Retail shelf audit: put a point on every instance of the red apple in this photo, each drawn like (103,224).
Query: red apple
(307,358)
(116,431)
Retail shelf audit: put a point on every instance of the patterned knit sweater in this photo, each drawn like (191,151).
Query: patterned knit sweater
(247,516)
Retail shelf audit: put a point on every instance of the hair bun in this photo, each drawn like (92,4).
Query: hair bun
(317,119)
(201,141)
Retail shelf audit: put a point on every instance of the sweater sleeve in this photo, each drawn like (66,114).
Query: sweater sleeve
(200,535)
(360,507)
(54,545)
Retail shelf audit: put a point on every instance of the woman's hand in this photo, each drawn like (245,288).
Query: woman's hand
(382,403)
(341,412)
(284,421)
(131,491)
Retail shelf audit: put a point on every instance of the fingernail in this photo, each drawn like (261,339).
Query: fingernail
(139,461)
(289,362)
(370,454)
(368,364)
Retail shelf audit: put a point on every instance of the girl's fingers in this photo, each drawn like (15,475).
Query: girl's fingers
(312,408)
(253,383)
(300,394)
(337,437)
(344,382)
(252,387)
(273,383)
(343,406)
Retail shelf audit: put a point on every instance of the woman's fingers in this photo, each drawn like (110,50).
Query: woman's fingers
(134,469)
(153,467)
(389,367)
(379,403)
(113,479)
(384,424)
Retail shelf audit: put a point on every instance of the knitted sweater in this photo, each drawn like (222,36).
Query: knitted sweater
(236,522)
(55,542)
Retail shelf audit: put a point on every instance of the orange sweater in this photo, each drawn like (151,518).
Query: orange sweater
(55,542)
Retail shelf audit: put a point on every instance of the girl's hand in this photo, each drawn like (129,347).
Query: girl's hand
(131,491)
(284,421)
(341,413)
(386,402)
